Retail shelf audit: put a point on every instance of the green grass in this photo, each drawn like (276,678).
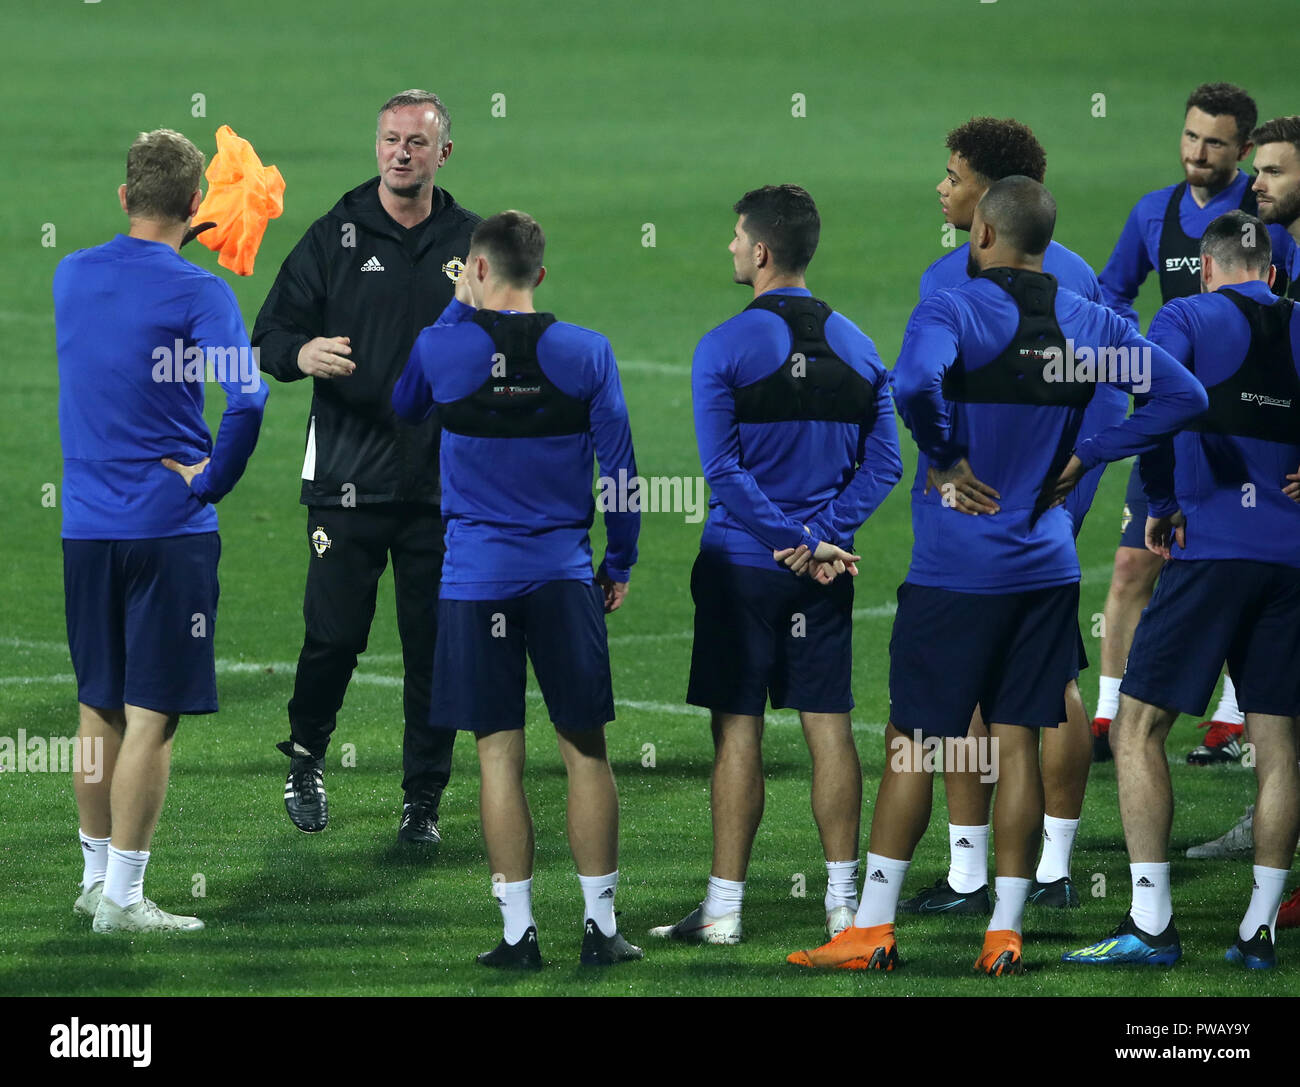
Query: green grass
(617,115)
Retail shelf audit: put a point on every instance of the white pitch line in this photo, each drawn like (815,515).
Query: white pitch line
(645,366)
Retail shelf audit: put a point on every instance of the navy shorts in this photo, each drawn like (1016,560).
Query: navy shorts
(141,617)
(1133,529)
(761,633)
(1011,654)
(480,672)
(1082,662)
(1206,612)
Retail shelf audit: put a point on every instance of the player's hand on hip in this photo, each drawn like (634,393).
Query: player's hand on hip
(326,356)
(1292,489)
(615,592)
(1162,531)
(187,472)
(1055,491)
(959,489)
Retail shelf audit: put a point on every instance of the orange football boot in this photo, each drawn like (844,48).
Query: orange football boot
(853,949)
(1001,954)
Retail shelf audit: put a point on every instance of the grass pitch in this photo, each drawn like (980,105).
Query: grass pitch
(616,116)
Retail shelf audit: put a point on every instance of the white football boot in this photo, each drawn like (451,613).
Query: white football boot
(142,916)
(88,901)
(697,927)
(1237,842)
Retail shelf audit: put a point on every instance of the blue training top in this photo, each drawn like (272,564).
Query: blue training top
(1109,403)
(1229,487)
(1138,249)
(1013,447)
(518,509)
(139,330)
(799,481)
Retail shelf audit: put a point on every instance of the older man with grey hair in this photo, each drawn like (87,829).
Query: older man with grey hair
(344,311)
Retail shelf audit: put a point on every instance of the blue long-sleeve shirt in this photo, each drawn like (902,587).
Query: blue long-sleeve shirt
(1228,487)
(1138,248)
(1109,403)
(518,510)
(139,329)
(1013,447)
(782,484)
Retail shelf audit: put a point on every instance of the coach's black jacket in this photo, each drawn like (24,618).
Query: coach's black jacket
(358,273)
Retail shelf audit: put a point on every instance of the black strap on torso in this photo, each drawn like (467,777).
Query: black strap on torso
(1179,257)
(813,382)
(1284,286)
(1020,374)
(1262,399)
(517,400)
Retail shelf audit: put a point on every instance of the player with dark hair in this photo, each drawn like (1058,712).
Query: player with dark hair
(1277,192)
(1008,147)
(141,476)
(344,311)
(1224,515)
(797,439)
(1162,233)
(980,362)
(524,401)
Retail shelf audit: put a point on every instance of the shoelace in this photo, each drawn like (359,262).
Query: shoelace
(308,780)
(416,813)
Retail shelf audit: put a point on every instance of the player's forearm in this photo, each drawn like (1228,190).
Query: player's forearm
(879,472)
(1173,400)
(412,396)
(1156,472)
(241,423)
(621,533)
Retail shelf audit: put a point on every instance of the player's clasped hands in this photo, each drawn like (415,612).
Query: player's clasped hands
(1292,489)
(326,356)
(961,490)
(823,565)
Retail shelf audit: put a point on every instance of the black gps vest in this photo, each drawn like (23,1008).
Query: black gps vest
(1020,375)
(1286,287)
(1179,257)
(518,400)
(1262,399)
(813,382)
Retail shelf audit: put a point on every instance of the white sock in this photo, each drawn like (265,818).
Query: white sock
(841,885)
(880,891)
(516,902)
(968,851)
(1058,845)
(723,896)
(1153,907)
(598,900)
(1227,708)
(94,856)
(1269,887)
(1108,697)
(1009,909)
(124,875)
